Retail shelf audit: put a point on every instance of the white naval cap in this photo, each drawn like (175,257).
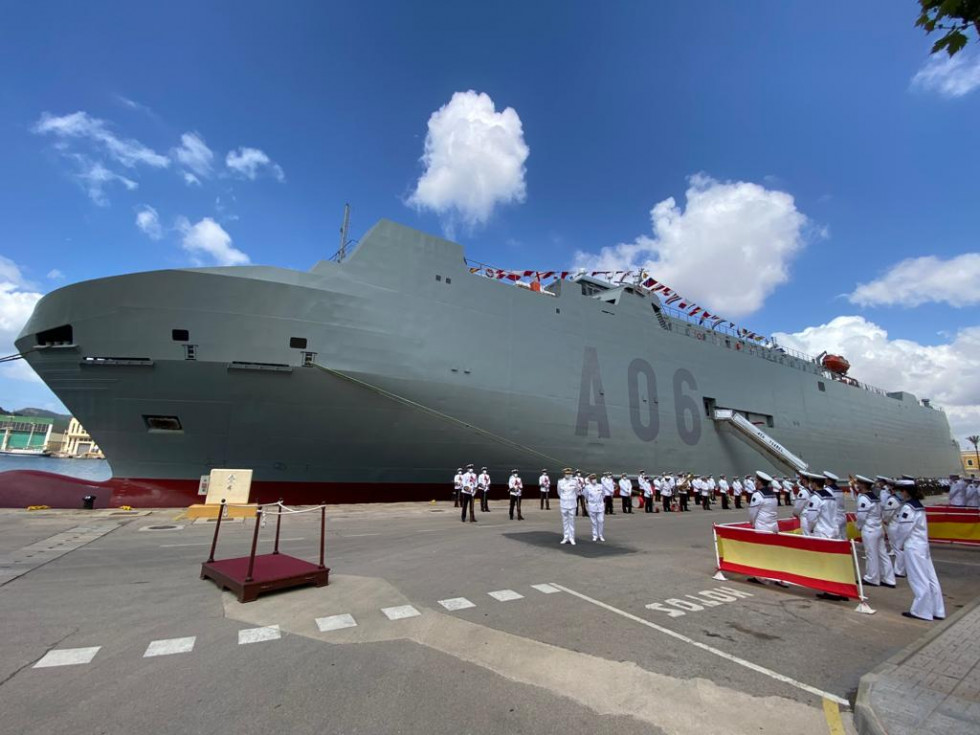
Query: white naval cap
(513,472)
(905,483)
(830,476)
(763,476)
(812,475)
(887,480)
(908,477)
(865,480)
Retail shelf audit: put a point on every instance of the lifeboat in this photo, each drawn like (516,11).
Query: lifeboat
(836,364)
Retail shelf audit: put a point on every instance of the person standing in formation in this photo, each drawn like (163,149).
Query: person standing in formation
(957,490)
(580,481)
(568,505)
(468,493)
(483,485)
(831,485)
(608,491)
(762,505)
(667,491)
(646,487)
(972,493)
(878,568)
(626,492)
(515,487)
(748,487)
(821,510)
(803,495)
(705,491)
(725,490)
(544,487)
(683,488)
(737,492)
(777,489)
(457,486)
(596,504)
(913,539)
(889,516)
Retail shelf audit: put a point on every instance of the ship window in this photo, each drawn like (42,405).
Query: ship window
(190,352)
(821,387)
(162,423)
(438,278)
(298,343)
(180,335)
(448,280)
(58,335)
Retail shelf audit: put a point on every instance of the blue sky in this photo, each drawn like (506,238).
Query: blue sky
(793,130)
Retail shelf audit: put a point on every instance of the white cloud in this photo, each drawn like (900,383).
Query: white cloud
(55,275)
(949,76)
(148,221)
(727,250)
(80,125)
(948,373)
(193,153)
(474,160)
(17,300)
(208,240)
(94,177)
(191,180)
(250,162)
(918,281)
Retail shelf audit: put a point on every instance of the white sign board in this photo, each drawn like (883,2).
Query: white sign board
(232,485)
(202,487)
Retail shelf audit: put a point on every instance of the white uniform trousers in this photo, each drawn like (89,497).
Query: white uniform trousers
(598,518)
(568,522)
(899,554)
(877,564)
(928,596)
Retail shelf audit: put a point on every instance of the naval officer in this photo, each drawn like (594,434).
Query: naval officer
(457,486)
(667,491)
(878,568)
(567,505)
(626,492)
(596,504)
(913,540)
(580,497)
(469,491)
(608,491)
(483,485)
(646,487)
(515,487)
(725,491)
(544,487)
(737,491)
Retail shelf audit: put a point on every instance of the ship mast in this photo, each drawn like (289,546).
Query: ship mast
(343,234)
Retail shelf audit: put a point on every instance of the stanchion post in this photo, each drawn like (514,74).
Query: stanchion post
(255,542)
(217,525)
(278,524)
(323,530)
(718,574)
(863,606)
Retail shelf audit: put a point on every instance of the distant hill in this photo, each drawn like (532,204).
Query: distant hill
(60,419)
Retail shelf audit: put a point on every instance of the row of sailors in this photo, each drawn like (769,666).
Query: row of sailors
(964,492)
(886,509)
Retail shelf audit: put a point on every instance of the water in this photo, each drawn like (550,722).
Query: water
(86,469)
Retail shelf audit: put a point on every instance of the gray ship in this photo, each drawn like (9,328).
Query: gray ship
(373,378)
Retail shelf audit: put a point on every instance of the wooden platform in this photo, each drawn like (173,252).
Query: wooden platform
(270,572)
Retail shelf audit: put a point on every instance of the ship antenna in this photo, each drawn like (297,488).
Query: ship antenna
(343,233)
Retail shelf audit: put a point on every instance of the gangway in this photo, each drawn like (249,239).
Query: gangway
(760,439)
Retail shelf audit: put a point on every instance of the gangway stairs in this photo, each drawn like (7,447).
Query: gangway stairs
(760,439)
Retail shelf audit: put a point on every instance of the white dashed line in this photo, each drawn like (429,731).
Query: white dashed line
(545,588)
(506,595)
(335,622)
(170,646)
(399,612)
(456,603)
(67,657)
(257,635)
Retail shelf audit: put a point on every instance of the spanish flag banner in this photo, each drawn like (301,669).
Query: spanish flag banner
(953,524)
(821,564)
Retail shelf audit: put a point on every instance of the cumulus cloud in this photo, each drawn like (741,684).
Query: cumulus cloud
(949,76)
(148,221)
(194,154)
(250,162)
(727,249)
(94,177)
(474,160)
(17,300)
(948,373)
(918,281)
(55,275)
(206,241)
(82,126)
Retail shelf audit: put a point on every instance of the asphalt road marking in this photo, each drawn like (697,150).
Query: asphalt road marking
(709,649)
(456,603)
(399,612)
(545,588)
(170,646)
(335,622)
(67,657)
(832,714)
(506,595)
(708,598)
(257,635)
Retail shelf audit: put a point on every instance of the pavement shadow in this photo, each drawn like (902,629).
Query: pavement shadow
(583,546)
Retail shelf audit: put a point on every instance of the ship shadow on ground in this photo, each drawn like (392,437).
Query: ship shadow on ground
(584,546)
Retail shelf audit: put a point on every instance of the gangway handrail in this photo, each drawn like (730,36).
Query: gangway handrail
(761,438)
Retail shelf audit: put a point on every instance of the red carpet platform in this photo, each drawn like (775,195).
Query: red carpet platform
(269,572)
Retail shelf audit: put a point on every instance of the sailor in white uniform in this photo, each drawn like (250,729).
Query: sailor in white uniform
(515,487)
(596,504)
(832,486)
(483,485)
(608,491)
(581,493)
(820,516)
(737,492)
(544,487)
(957,490)
(568,504)
(725,490)
(626,492)
(468,493)
(646,487)
(457,486)
(878,568)
(667,492)
(913,539)
(803,495)
(762,506)
(972,493)
(777,488)
(889,517)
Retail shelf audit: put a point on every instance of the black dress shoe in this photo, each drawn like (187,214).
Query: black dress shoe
(885,584)
(914,617)
(870,584)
